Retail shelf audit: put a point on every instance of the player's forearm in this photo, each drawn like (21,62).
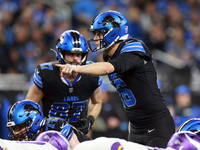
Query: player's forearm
(74,141)
(95,103)
(95,110)
(35,94)
(100,68)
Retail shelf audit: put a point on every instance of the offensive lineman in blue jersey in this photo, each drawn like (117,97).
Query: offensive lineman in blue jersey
(67,96)
(26,121)
(131,71)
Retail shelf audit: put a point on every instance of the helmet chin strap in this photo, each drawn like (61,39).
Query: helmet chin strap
(102,50)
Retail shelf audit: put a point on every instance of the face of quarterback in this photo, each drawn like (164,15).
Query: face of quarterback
(98,37)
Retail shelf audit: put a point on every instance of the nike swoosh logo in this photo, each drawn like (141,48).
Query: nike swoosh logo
(149,131)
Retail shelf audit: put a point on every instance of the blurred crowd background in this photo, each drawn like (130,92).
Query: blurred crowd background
(170,28)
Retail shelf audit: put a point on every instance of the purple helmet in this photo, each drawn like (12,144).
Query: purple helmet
(55,138)
(184,140)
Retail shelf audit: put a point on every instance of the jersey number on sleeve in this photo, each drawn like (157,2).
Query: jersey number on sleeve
(50,124)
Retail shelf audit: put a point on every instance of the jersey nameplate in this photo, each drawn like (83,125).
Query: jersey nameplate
(71,98)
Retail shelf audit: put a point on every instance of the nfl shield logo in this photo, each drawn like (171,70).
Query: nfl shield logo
(126,29)
(71,90)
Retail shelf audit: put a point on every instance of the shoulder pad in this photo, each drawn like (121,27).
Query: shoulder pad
(138,47)
(133,47)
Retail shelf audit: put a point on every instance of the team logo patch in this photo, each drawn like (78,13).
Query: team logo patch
(70,90)
(71,98)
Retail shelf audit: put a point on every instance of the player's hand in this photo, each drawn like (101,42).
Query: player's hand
(67,131)
(66,69)
(86,124)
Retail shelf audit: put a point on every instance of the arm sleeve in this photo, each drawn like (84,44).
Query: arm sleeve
(126,61)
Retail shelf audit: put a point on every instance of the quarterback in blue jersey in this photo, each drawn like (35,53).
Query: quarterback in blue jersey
(67,96)
(128,64)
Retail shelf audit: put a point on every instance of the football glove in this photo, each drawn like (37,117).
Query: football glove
(86,124)
(67,131)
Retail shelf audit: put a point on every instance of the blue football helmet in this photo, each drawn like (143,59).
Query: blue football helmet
(114,27)
(184,140)
(55,138)
(190,125)
(26,115)
(71,41)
